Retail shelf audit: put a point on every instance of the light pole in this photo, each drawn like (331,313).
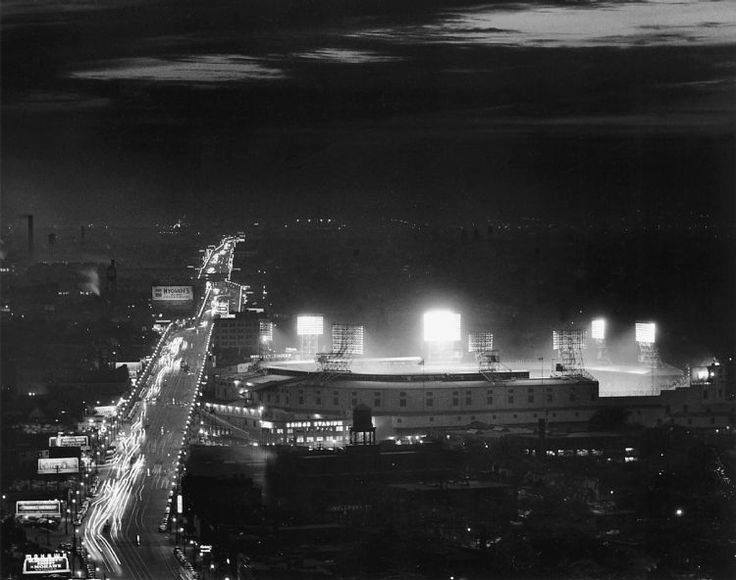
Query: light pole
(74,549)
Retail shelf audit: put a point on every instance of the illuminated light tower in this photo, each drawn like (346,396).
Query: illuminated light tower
(598,335)
(265,336)
(481,343)
(309,328)
(568,344)
(441,333)
(347,343)
(348,338)
(645,336)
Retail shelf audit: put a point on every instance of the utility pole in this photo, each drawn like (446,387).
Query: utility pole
(74,550)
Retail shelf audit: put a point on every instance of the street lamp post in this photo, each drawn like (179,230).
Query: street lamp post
(74,549)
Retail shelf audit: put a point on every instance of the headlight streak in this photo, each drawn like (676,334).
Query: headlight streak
(126,472)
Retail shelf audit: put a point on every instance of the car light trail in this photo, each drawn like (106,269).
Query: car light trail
(141,464)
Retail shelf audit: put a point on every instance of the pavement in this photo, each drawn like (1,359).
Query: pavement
(121,530)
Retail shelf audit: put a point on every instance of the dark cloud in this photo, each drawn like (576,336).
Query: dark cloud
(120,110)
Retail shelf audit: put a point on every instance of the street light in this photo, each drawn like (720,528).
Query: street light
(74,549)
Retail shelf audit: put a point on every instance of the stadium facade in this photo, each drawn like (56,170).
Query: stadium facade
(405,402)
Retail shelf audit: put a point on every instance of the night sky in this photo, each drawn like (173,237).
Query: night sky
(430,111)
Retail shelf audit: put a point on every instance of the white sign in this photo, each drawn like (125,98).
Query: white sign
(58,465)
(69,441)
(134,367)
(179,504)
(46,564)
(173,293)
(106,410)
(38,508)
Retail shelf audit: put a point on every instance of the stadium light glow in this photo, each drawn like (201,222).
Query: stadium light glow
(309,325)
(568,339)
(480,341)
(646,332)
(598,329)
(441,326)
(266,331)
(347,338)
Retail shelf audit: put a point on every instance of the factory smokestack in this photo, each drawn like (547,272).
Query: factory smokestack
(29,217)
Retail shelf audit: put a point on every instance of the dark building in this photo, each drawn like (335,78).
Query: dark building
(236,338)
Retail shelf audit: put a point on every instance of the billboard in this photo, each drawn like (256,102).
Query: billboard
(69,441)
(106,410)
(58,465)
(46,564)
(172,293)
(33,509)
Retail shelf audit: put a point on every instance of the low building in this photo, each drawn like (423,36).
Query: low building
(237,337)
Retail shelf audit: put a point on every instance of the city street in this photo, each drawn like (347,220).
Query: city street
(121,531)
